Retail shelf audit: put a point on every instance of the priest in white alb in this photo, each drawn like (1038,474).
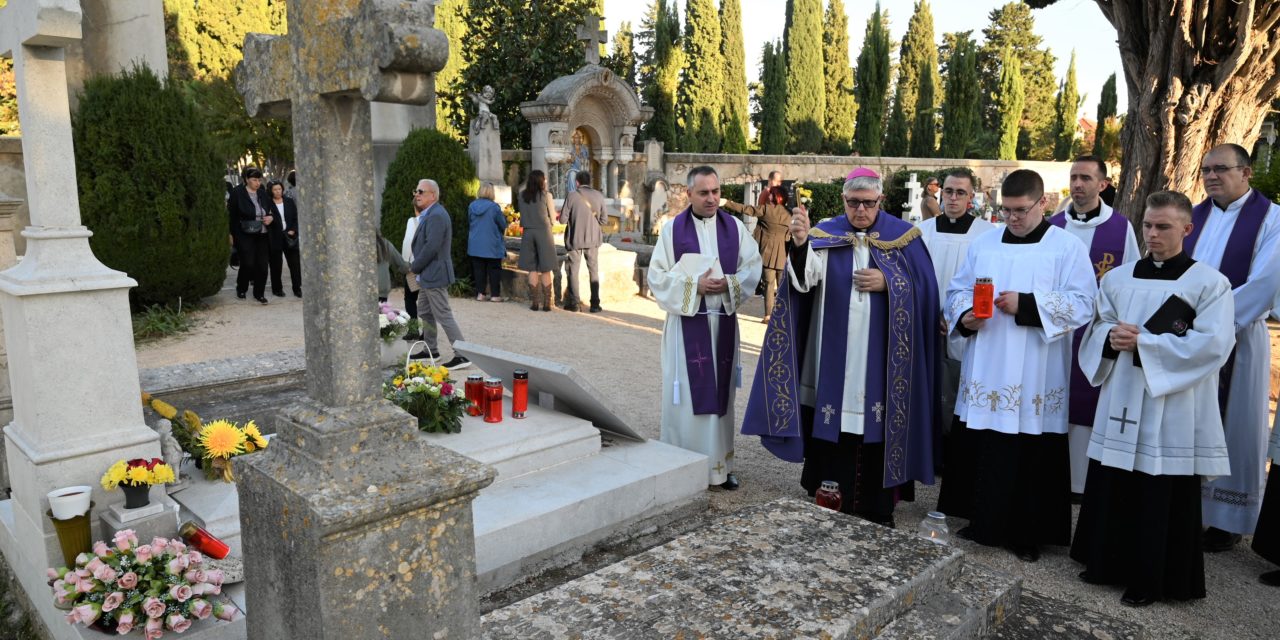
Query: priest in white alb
(704,266)
(1162,331)
(1111,242)
(1012,479)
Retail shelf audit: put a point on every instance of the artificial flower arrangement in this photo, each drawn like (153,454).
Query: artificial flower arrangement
(156,587)
(428,393)
(513,221)
(213,444)
(138,472)
(394,324)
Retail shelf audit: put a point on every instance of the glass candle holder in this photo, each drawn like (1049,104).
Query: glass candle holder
(203,541)
(475,393)
(493,400)
(984,296)
(828,495)
(519,393)
(934,528)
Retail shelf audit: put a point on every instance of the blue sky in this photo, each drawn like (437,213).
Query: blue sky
(1067,25)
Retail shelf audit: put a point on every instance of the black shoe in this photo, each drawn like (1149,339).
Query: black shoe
(297,293)
(240,294)
(260,299)
(278,294)
(1216,540)
(1135,598)
(730,483)
(413,337)
(458,362)
(595,308)
(1029,553)
(966,533)
(1270,578)
(572,307)
(1089,578)
(425,353)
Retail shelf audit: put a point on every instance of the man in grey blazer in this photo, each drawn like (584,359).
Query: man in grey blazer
(433,267)
(583,214)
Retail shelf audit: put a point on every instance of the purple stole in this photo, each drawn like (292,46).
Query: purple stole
(1106,252)
(708,386)
(1236,260)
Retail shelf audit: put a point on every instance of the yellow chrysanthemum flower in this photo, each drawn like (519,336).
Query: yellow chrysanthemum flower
(114,475)
(138,475)
(254,437)
(192,420)
(398,381)
(162,474)
(248,446)
(221,439)
(166,410)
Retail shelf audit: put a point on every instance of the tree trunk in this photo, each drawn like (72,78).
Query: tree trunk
(1200,73)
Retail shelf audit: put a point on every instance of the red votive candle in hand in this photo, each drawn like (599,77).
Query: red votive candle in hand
(984,297)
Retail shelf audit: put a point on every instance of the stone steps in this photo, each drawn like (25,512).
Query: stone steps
(1039,617)
(977,601)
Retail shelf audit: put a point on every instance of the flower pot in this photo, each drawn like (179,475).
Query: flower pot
(393,354)
(69,502)
(75,535)
(136,496)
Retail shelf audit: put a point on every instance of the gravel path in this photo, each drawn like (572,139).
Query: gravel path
(618,351)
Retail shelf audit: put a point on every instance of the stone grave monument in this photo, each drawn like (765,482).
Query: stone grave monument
(915,194)
(484,144)
(352,526)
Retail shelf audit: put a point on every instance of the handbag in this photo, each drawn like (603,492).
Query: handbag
(291,242)
(251,226)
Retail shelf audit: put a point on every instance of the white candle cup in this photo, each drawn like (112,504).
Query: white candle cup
(70,502)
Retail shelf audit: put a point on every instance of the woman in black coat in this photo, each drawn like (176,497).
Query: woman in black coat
(283,240)
(249,208)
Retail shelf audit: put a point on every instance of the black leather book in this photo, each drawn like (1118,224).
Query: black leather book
(1174,316)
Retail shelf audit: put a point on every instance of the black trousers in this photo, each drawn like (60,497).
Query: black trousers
(252,248)
(295,271)
(857,466)
(487,274)
(410,299)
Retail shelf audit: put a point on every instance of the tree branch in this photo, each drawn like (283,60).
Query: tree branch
(1243,44)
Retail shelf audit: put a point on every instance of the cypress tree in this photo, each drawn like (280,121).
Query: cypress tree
(451,18)
(1011,100)
(1106,111)
(701,93)
(1013,25)
(734,119)
(872,86)
(917,48)
(960,117)
(895,134)
(623,59)
(841,109)
(806,94)
(1066,115)
(924,130)
(660,71)
(773,108)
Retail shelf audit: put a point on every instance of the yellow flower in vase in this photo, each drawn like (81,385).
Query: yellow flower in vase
(162,474)
(138,476)
(221,439)
(253,438)
(115,475)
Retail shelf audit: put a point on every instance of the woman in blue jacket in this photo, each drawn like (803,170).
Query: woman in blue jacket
(485,245)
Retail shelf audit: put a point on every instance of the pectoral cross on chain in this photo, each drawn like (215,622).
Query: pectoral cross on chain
(700,360)
(1037,401)
(879,409)
(1124,419)
(827,412)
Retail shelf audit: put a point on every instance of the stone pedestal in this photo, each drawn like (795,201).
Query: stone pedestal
(160,518)
(8,256)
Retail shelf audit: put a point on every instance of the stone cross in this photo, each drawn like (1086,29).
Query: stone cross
(592,37)
(915,193)
(351,500)
(1124,419)
(51,442)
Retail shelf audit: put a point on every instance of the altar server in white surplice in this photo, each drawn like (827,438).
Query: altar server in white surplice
(1161,333)
(1008,469)
(1111,242)
(948,237)
(704,266)
(1237,231)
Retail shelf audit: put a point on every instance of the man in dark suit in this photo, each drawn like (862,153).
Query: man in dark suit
(583,214)
(772,233)
(250,215)
(433,267)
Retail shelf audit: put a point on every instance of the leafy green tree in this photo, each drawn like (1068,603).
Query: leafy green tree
(1066,115)
(806,95)
(1106,111)
(660,67)
(924,130)
(1011,100)
(841,108)
(917,48)
(700,97)
(734,118)
(895,134)
(623,59)
(960,117)
(451,18)
(268,142)
(1013,25)
(427,153)
(872,85)
(773,107)
(149,188)
(518,47)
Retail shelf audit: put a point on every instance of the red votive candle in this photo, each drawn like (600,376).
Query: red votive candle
(475,393)
(828,495)
(203,541)
(984,296)
(493,400)
(519,393)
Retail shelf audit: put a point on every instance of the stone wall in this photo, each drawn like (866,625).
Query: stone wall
(13,184)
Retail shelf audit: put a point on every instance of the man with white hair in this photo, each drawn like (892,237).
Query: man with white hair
(845,380)
(433,267)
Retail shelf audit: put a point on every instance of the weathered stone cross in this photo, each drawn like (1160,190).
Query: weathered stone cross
(1124,419)
(592,36)
(350,483)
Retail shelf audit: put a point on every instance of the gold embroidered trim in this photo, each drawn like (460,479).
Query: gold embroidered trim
(688,296)
(737,289)
(872,239)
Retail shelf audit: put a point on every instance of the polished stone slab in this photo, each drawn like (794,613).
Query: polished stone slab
(784,569)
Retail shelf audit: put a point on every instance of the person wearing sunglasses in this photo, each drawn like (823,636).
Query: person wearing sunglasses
(845,379)
(1237,231)
(1008,470)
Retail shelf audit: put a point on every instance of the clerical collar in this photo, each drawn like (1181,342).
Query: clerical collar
(1149,268)
(1234,205)
(695,215)
(1087,215)
(1031,238)
(959,225)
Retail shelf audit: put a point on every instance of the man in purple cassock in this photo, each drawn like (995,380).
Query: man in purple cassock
(846,376)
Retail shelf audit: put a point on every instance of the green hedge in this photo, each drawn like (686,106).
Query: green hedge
(828,197)
(732,192)
(151,188)
(427,153)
